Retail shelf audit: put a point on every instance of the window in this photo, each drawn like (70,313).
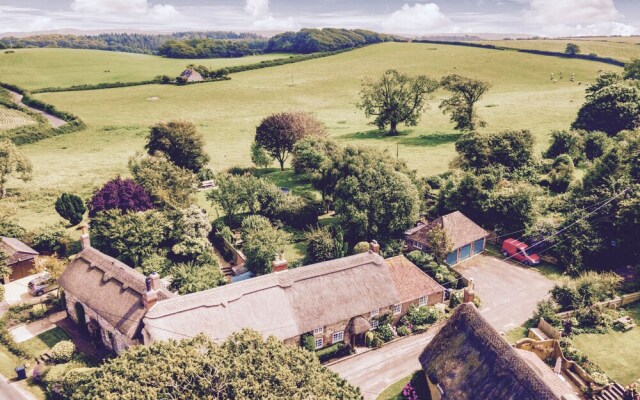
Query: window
(374,324)
(338,337)
(319,343)
(417,245)
(397,308)
(318,331)
(422,301)
(375,313)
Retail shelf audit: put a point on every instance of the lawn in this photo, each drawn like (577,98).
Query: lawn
(394,392)
(39,68)
(45,341)
(228,112)
(604,47)
(615,352)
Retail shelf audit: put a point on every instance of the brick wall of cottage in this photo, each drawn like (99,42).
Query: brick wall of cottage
(120,341)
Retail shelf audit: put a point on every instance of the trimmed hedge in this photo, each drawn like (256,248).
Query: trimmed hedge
(334,351)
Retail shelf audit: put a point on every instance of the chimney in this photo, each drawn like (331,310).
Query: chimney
(374,247)
(150,297)
(84,238)
(469,293)
(280,264)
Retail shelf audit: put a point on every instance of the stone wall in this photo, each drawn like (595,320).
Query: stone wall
(111,337)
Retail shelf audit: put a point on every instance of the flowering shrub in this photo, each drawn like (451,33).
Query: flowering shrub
(409,392)
(63,351)
(404,330)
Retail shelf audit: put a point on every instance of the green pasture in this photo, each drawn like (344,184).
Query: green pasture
(10,118)
(227,112)
(618,48)
(39,68)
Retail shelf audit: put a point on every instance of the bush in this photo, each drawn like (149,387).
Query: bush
(71,207)
(403,331)
(368,339)
(422,315)
(335,351)
(361,247)
(599,378)
(308,342)
(49,239)
(1,293)
(385,332)
(62,351)
(546,309)
(37,312)
(441,273)
(377,342)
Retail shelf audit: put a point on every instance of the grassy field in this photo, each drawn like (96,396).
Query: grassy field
(228,112)
(615,352)
(45,341)
(38,68)
(10,118)
(618,48)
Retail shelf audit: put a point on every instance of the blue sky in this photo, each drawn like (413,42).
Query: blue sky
(540,17)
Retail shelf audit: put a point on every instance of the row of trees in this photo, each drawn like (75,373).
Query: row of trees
(399,98)
(318,40)
(211,48)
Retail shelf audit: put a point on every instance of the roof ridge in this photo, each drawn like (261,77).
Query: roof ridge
(224,294)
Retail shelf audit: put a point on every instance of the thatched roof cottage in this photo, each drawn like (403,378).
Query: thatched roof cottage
(469,360)
(467,237)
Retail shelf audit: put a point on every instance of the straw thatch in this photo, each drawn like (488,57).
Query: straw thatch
(110,288)
(16,251)
(460,229)
(284,304)
(357,326)
(469,360)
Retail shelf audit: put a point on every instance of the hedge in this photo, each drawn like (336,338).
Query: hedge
(334,351)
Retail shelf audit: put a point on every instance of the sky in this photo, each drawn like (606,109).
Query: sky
(536,17)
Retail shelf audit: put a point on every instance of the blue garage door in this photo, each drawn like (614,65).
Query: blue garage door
(478,246)
(465,252)
(452,258)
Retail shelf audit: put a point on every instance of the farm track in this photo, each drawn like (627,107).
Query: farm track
(53,120)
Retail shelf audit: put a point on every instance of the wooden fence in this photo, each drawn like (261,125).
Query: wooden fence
(620,301)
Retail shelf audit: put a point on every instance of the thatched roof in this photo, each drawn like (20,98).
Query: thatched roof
(470,360)
(358,325)
(15,250)
(410,281)
(460,229)
(284,304)
(110,288)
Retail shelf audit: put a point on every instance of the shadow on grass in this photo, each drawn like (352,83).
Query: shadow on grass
(403,138)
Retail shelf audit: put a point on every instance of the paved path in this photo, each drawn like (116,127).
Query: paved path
(25,332)
(11,391)
(509,292)
(53,120)
(375,370)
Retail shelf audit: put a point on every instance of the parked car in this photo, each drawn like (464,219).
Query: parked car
(42,284)
(518,251)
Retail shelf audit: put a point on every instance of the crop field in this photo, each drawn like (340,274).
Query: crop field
(39,68)
(10,119)
(618,48)
(522,97)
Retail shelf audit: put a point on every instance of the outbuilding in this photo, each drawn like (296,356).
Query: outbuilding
(21,258)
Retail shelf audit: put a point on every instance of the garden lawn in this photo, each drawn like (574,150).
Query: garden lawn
(45,341)
(615,352)
(394,392)
(228,112)
(40,68)
(622,50)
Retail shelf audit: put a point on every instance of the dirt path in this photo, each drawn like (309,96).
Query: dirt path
(53,120)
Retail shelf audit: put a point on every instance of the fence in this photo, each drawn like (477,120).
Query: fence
(620,301)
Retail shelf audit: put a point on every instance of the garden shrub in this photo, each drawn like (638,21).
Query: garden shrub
(547,310)
(600,378)
(385,332)
(308,342)
(404,330)
(377,342)
(585,290)
(440,273)
(37,312)
(422,315)
(49,239)
(420,328)
(62,351)
(368,339)
(1,293)
(334,351)
(385,318)
(361,247)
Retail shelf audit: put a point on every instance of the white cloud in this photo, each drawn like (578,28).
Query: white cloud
(164,13)
(263,19)
(577,17)
(110,6)
(417,19)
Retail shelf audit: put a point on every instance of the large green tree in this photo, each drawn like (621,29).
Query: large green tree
(262,243)
(191,278)
(181,142)
(320,159)
(191,236)
(71,207)
(13,164)
(278,133)
(374,200)
(321,245)
(612,109)
(396,98)
(245,366)
(512,150)
(632,69)
(466,93)
(166,183)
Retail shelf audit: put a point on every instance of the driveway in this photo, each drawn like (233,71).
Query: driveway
(18,292)
(509,292)
(375,370)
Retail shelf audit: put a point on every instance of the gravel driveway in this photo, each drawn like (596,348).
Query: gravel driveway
(509,292)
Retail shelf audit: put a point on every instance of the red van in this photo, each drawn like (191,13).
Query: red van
(518,251)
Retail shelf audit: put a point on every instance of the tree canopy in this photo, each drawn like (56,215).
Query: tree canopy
(245,366)
(572,49)
(13,164)
(71,207)
(395,98)
(262,242)
(181,142)
(328,39)
(509,149)
(278,133)
(612,109)
(191,278)
(466,93)
(120,194)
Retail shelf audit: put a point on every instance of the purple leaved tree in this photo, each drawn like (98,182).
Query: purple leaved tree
(121,194)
